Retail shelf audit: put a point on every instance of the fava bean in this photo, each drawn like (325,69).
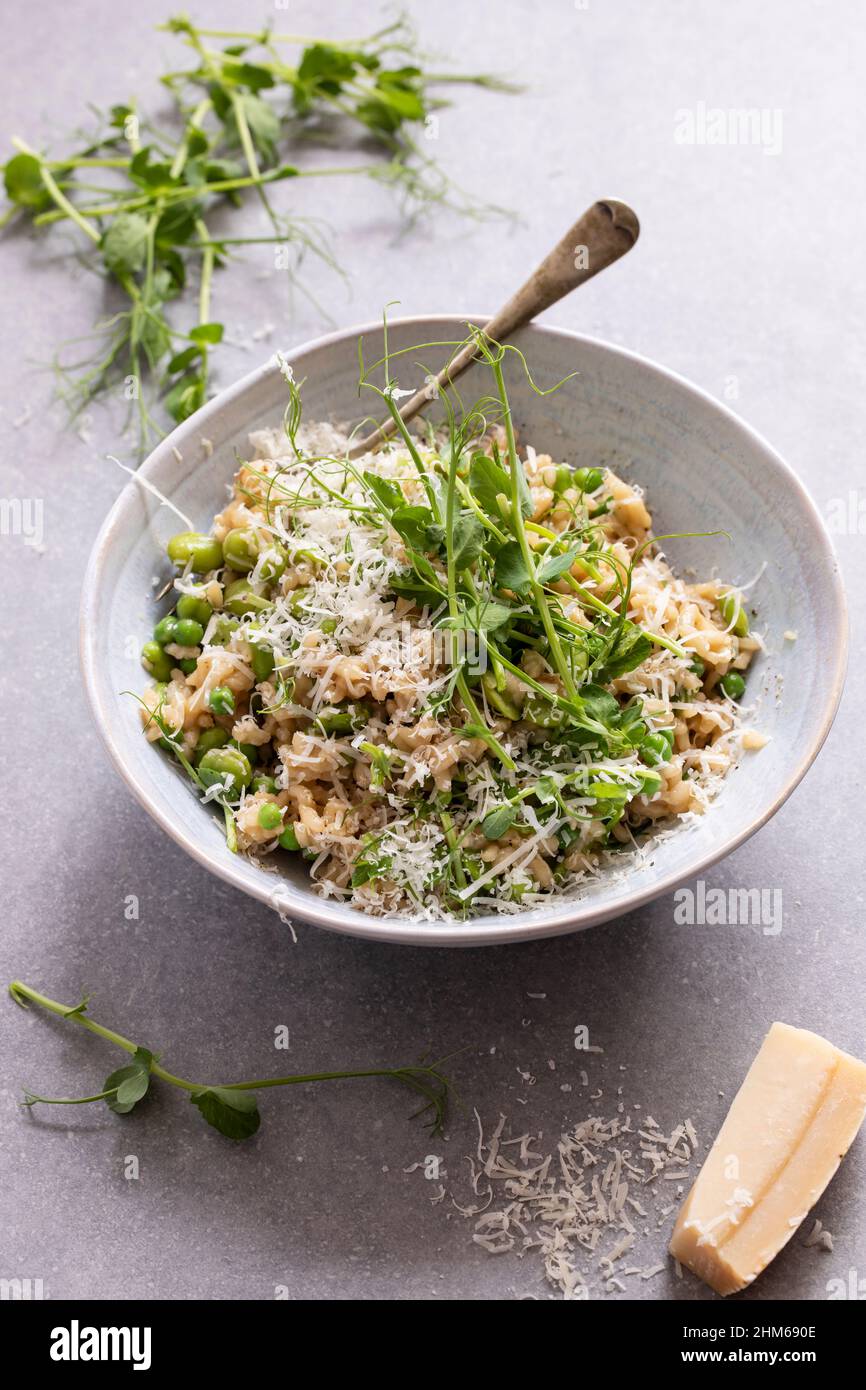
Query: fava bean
(202,553)
(221,763)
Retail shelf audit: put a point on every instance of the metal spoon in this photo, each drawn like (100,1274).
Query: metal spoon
(606,231)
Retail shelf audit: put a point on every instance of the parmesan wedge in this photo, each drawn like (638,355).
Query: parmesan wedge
(788,1129)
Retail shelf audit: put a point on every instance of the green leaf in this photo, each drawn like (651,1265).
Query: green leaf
(207,333)
(628,651)
(491,617)
(22,179)
(369,865)
(173,262)
(248,75)
(182,360)
(387,493)
(417,528)
(523,493)
(510,569)
(132,1089)
(600,705)
(487,479)
(119,115)
(124,244)
(221,170)
(196,141)
(546,790)
(177,225)
(497,822)
(468,541)
(480,617)
(234,1113)
(185,397)
(130,1082)
(555,565)
(150,175)
(323,68)
(381,760)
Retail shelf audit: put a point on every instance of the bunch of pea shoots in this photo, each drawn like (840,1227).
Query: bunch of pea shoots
(155,204)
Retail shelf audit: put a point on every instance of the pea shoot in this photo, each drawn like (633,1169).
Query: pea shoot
(229,1107)
(152,204)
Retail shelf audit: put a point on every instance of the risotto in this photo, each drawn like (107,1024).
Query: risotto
(455,676)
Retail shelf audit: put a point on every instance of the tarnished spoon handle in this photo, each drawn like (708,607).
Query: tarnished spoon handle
(604,233)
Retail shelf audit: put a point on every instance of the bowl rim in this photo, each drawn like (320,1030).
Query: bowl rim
(331,915)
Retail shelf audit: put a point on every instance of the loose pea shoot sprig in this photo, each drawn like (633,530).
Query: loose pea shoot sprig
(152,202)
(229,1107)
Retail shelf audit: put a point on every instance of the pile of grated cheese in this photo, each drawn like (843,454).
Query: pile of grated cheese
(584,1209)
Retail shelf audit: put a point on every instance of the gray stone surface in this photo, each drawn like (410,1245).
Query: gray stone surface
(749,279)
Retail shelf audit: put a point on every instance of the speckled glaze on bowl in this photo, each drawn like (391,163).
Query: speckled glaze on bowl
(703,469)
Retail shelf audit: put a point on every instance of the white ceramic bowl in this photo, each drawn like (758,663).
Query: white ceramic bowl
(703,470)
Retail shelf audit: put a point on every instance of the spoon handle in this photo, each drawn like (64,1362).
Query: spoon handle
(606,231)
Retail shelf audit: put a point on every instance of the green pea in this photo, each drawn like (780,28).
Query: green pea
(188,665)
(188,633)
(656,748)
(289,839)
(733,613)
(697,666)
(188,606)
(209,739)
(249,750)
(588,479)
(564,479)
(264,784)
(273,564)
(263,663)
(155,660)
(240,598)
(202,553)
(221,700)
(221,763)
(342,719)
(166,630)
(328,625)
(241,549)
(733,685)
(270,816)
